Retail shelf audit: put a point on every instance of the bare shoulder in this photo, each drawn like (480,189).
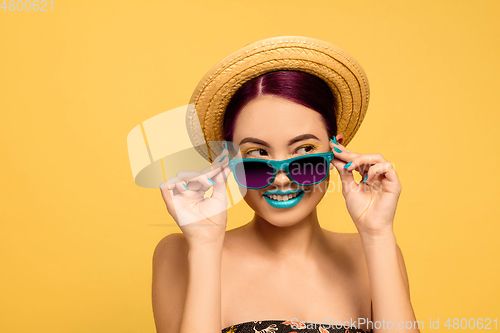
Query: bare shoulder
(171,247)
(169,285)
(170,258)
(350,242)
(347,246)
(351,246)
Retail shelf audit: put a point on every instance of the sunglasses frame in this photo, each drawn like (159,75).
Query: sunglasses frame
(280,165)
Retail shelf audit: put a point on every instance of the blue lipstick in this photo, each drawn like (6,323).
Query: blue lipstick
(284,204)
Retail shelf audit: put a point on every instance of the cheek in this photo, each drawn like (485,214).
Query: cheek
(318,191)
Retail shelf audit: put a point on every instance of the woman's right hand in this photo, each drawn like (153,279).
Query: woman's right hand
(202,220)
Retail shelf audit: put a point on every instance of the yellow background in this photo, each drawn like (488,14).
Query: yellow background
(77,235)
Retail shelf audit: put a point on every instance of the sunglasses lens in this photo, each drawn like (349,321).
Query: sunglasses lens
(310,170)
(253,174)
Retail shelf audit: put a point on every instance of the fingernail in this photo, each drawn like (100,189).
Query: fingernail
(337,150)
(222,159)
(347,165)
(185,186)
(163,185)
(211,181)
(226,145)
(364,180)
(334,141)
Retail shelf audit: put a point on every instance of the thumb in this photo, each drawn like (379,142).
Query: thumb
(167,193)
(346,177)
(219,189)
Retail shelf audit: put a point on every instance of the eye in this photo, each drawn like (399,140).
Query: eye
(259,152)
(305,149)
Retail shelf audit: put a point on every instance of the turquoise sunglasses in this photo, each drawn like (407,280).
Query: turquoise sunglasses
(305,170)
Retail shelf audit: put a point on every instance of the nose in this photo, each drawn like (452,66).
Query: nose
(281,179)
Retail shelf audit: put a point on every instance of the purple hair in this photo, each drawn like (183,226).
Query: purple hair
(299,87)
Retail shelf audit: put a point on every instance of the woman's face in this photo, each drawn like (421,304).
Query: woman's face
(271,127)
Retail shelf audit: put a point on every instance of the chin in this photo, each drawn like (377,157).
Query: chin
(282,220)
(283,216)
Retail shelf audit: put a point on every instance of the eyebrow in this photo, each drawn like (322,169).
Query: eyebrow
(291,142)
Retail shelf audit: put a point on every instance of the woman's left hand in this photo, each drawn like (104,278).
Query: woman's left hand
(372,203)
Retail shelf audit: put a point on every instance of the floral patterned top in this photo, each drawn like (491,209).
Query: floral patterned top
(288,326)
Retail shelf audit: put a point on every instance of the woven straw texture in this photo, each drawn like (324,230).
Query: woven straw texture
(336,67)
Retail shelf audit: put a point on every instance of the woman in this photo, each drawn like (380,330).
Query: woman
(282,272)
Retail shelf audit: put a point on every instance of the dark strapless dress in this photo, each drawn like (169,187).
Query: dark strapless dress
(289,326)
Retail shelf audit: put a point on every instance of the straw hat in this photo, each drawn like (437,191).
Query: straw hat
(340,71)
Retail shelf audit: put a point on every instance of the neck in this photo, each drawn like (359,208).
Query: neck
(297,241)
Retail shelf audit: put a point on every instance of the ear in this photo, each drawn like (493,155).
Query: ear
(340,138)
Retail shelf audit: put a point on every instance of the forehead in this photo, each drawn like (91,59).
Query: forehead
(276,120)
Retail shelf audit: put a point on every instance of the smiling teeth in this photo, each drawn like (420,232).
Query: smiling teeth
(283,197)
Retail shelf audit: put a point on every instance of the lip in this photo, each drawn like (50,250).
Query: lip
(285,204)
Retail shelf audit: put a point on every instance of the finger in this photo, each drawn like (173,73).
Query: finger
(220,163)
(194,180)
(342,153)
(340,146)
(201,183)
(346,177)
(215,169)
(219,191)
(221,160)
(197,181)
(188,175)
(212,177)
(167,195)
(363,162)
(212,169)
(177,185)
(385,169)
